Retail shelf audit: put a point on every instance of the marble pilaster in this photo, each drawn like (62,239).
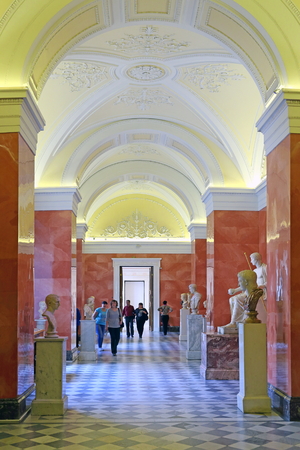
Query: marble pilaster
(253,397)
(195,326)
(183,324)
(220,356)
(51,399)
(88,331)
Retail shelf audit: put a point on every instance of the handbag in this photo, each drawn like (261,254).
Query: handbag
(122,323)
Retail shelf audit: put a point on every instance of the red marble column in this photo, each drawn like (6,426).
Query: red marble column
(229,235)
(16,273)
(198,266)
(80,276)
(55,268)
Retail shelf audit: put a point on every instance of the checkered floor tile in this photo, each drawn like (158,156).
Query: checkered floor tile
(149,397)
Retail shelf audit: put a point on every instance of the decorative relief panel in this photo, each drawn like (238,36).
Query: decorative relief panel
(80,75)
(143,98)
(137,226)
(211,76)
(139,150)
(146,73)
(137,185)
(149,41)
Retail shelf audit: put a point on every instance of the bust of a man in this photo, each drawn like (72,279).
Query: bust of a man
(247,282)
(185,301)
(88,309)
(42,308)
(52,302)
(194,298)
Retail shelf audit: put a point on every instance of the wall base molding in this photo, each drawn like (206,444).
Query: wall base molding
(15,409)
(288,407)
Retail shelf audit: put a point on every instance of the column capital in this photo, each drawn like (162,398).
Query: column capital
(81,229)
(231,199)
(19,113)
(57,199)
(281,118)
(197,231)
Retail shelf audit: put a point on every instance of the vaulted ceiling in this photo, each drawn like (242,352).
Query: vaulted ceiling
(148,103)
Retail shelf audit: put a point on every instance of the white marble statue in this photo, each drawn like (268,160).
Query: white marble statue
(194,298)
(42,308)
(237,302)
(88,309)
(185,301)
(52,302)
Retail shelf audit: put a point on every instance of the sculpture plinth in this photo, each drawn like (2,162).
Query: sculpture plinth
(88,337)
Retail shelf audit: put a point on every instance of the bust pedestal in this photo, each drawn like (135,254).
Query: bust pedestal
(220,356)
(253,397)
(50,377)
(183,326)
(195,326)
(88,332)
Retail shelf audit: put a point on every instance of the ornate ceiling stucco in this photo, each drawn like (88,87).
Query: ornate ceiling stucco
(150,96)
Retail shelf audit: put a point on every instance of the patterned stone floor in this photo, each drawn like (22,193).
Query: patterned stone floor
(149,397)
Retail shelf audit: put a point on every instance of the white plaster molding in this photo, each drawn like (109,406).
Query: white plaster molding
(197,231)
(155,247)
(281,118)
(261,193)
(140,262)
(81,229)
(80,74)
(19,113)
(57,199)
(229,199)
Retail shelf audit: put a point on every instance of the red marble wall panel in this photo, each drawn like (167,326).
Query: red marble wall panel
(262,245)
(175,277)
(79,292)
(198,275)
(53,260)
(283,243)
(230,234)
(16,265)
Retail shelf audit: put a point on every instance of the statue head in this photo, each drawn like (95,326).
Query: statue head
(247,280)
(91,300)
(52,302)
(255,258)
(42,307)
(192,288)
(183,296)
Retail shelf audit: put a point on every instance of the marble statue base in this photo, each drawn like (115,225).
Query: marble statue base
(226,330)
(87,338)
(220,356)
(183,326)
(253,396)
(195,326)
(51,399)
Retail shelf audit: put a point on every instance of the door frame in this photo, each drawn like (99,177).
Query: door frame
(139,262)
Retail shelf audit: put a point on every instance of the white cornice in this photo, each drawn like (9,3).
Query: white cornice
(81,229)
(57,199)
(137,248)
(261,193)
(197,231)
(281,118)
(19,113)
(227,199)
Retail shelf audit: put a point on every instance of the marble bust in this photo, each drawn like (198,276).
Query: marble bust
(88,309)
(185,301)
(42,308)
(247,282)
(52,302)
(194,298)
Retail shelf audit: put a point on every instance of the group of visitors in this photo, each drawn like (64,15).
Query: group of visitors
(111,320)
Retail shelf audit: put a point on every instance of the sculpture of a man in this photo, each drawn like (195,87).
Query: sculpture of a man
(247,282)
(185,301)
(42,308)
(194,298)
(238,302)
(52,302)
(88,309)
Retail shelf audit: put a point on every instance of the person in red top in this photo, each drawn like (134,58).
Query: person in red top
(128,313)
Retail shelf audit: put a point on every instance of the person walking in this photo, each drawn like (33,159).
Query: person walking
(113,323)
(165,310)
(100,318)
(141,315)
(128,313)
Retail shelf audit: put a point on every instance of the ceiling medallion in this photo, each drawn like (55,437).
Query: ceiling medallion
(149,41)
(146,73)
(211,76)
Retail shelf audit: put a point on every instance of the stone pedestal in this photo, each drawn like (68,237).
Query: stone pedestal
(40,324)
(88,331)
(253,397)
(50,377)
(220,356)
(183,326)
(195,324)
